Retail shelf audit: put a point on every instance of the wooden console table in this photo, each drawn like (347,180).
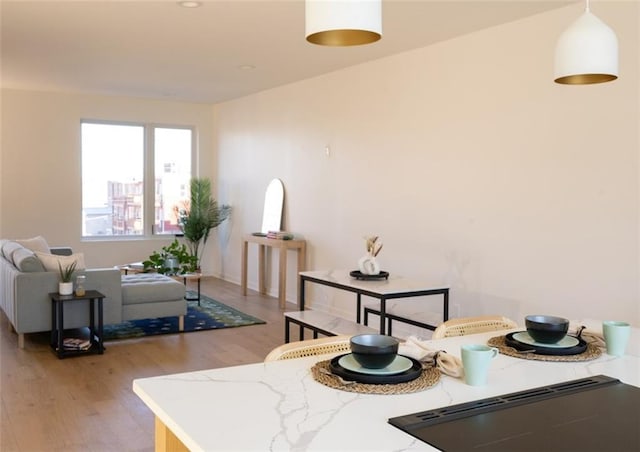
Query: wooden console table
(282,246)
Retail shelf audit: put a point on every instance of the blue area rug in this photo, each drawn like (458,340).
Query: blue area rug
(210,315)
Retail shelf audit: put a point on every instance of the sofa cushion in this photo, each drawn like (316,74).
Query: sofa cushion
(35,244)
(50,261)
(8,248)
(150,288)
(26,261)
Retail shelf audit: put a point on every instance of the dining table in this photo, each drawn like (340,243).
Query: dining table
(279,405)
(382,287)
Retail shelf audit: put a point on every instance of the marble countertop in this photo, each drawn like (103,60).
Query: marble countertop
(279,406)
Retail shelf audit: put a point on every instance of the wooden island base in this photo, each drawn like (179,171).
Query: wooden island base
(166,441)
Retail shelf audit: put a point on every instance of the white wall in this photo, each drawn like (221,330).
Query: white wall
(477,171)
(40,186)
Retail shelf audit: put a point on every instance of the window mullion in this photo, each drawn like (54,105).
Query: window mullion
(149,181)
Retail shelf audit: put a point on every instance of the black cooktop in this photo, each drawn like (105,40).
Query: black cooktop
(591,414)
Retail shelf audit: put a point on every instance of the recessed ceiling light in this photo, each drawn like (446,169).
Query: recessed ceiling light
(246,67)
(190,4)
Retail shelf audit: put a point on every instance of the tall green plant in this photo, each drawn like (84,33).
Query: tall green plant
(200,215)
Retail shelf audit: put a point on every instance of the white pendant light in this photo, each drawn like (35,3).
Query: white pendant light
(343,22)
(587,52)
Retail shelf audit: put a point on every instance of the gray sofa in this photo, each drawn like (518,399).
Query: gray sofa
(25,285)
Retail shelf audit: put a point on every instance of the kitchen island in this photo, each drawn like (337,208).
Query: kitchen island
(279,406)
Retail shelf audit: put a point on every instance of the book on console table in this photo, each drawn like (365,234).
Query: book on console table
(280,235)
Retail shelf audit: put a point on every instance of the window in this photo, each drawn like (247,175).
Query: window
(117,198)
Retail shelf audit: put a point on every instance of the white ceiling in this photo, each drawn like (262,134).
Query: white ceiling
(157,49)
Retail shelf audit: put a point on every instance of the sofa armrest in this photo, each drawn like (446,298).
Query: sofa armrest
(107,281)
(32,305)
(61,251)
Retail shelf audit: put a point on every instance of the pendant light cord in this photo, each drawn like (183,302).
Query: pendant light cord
(588,9)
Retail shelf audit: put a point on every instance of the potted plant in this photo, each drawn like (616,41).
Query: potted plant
(199,216)
(171,259)
(65,286)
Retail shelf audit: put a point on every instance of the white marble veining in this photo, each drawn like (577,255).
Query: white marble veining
(279,406)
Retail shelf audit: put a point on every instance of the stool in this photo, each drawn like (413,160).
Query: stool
(322,323)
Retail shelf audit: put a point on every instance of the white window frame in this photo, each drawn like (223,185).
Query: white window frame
(147,174)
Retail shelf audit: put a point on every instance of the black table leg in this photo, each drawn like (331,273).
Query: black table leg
(100,327)
(358,306)
(383,312)
(54,328)
(199,291)
(92,320)
(445,313)
(301,293)
(60,327)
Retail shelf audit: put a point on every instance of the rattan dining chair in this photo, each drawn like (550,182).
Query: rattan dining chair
(471,325)
(300,349)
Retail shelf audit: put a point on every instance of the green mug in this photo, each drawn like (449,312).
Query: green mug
(475,361)
(616,335)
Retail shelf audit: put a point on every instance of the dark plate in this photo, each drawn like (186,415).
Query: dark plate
(542,350)
(408,375)
(358,275)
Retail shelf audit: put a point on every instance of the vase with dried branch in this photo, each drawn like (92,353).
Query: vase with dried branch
(368,264)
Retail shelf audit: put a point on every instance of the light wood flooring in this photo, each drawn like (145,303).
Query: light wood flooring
(87,404)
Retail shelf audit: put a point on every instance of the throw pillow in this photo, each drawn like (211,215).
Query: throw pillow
(26,261)
(8,248)
(50,261)
(35,244)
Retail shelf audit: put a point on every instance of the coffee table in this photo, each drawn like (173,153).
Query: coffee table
(135,267)
(190,277)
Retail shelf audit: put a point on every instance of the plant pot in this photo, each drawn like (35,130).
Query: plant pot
(172,265)
(65,288)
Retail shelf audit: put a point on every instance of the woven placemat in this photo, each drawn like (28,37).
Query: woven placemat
(322,373)
(592,352)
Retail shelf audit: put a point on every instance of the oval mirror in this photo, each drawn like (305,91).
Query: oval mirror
(273,203)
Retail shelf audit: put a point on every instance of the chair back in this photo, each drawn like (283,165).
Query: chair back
(471,325)
(301,349)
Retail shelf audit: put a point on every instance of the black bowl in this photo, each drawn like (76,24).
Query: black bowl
(374,351)
(546,329)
